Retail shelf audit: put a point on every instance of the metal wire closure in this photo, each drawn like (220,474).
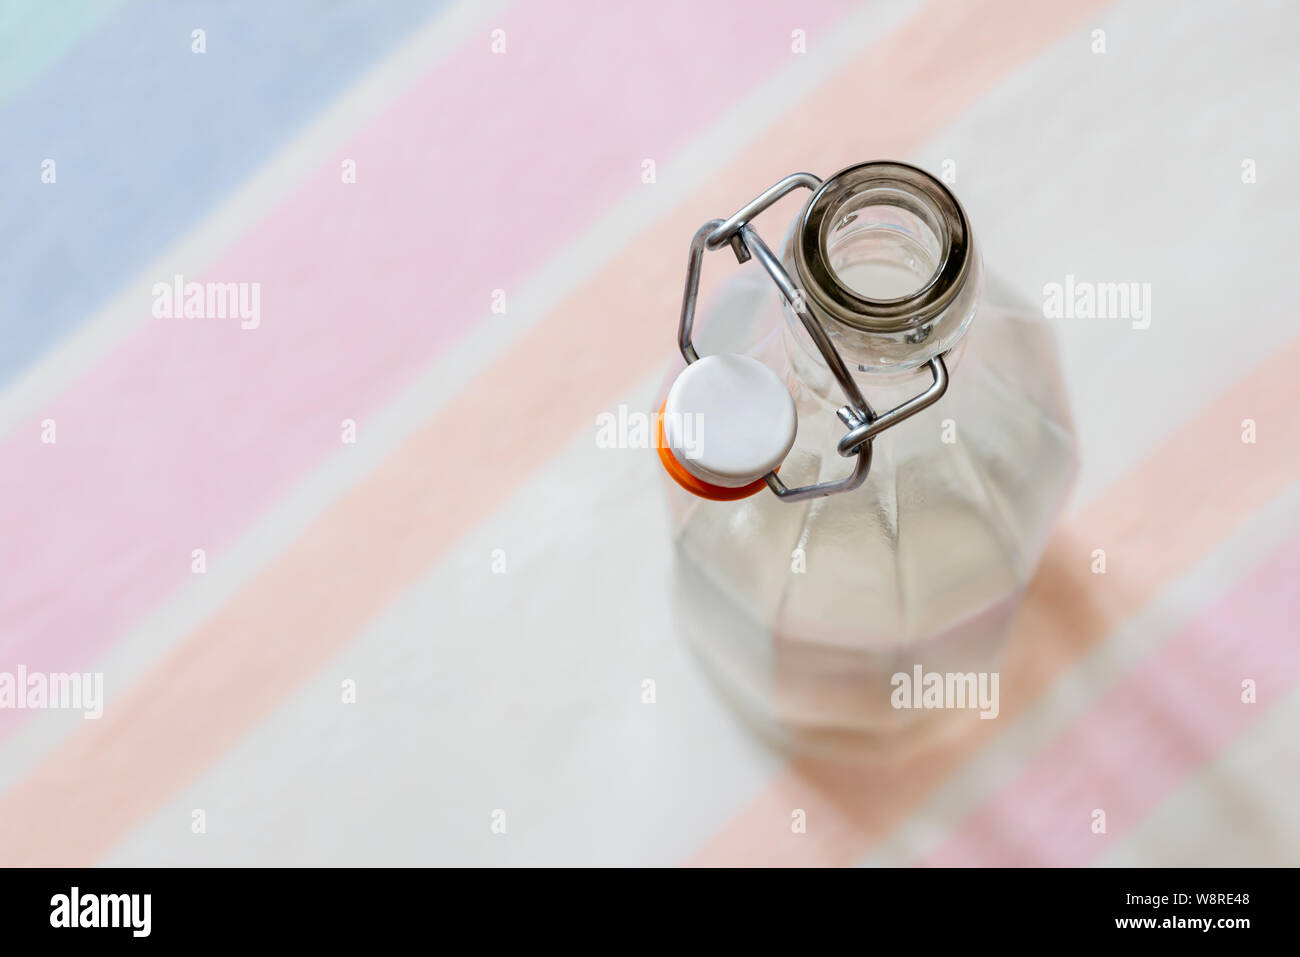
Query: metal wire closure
(862,421)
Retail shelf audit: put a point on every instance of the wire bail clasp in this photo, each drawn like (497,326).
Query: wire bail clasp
(857,415)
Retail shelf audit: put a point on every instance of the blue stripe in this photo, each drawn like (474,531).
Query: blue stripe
(148,137)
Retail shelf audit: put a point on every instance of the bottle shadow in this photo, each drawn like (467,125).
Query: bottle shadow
(1067,612)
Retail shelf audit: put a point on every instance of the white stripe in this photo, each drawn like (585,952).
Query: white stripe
(478,691)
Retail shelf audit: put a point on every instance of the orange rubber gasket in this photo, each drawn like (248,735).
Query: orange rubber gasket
(714,493)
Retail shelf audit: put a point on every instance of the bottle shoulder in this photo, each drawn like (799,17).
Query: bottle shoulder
(975,481)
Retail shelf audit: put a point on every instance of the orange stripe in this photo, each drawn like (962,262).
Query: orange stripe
(1154,524)
(371,545)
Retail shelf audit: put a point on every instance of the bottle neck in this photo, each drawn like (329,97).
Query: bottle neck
(887,263)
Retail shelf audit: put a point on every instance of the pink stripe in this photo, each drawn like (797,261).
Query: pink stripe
(192,428)
(1142,739)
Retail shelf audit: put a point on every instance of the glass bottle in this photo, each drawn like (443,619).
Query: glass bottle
(805,611)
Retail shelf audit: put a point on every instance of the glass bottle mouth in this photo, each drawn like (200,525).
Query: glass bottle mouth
(883,247)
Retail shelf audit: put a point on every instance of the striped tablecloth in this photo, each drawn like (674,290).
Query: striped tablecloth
(362,586)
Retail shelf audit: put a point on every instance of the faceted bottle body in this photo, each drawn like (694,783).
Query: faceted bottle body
(804,612)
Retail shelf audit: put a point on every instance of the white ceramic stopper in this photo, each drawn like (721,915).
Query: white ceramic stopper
(729,420)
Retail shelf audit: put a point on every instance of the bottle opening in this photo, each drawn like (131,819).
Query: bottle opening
(884,244)
(885,257)
(883,247)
